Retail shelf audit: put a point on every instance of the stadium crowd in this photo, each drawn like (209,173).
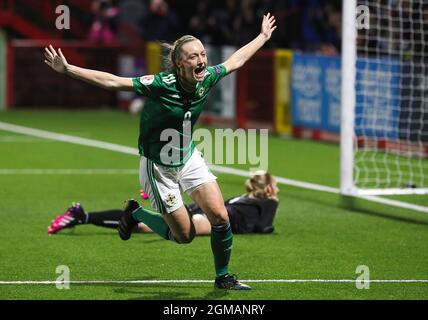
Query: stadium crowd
(307,25)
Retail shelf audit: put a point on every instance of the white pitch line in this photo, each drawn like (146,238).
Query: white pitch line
(68,171)
(294,183)
(395,203)
(134,151)
(317,187)
(67,138)
(46,282)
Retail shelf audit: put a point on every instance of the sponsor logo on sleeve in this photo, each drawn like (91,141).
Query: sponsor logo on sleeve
(147,80)
(217,69)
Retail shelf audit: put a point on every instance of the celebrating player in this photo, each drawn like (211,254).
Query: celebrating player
(253,212)
(169,161)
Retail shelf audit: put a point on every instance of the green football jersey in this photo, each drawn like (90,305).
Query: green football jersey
(169,114)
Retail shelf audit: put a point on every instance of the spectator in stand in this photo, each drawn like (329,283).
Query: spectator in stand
(245,24)
(226,13)
(289,32)
(321,26)
(131,13)
(312,16)
(202,23)
(104,27)
(160,22)
(331,30)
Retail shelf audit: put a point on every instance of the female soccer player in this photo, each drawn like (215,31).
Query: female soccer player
(169,162)
(253,212)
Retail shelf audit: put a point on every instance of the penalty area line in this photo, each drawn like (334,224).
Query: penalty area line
(46,282)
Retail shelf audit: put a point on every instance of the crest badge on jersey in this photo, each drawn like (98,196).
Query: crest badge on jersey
(147,80)
(170,200)
(201,91)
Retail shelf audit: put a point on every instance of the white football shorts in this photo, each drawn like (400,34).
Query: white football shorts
(165,184)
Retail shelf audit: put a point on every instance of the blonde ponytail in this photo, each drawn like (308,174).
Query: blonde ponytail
(256,185)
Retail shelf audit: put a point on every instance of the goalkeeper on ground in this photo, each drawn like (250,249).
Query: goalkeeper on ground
(253,212)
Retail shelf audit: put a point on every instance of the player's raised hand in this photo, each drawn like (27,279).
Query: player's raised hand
(54,60)
(268,25)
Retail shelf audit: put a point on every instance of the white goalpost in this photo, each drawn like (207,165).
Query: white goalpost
(384,115)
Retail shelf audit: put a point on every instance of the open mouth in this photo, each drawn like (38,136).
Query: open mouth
(200,71)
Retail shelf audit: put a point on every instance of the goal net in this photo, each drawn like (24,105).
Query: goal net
(384,122)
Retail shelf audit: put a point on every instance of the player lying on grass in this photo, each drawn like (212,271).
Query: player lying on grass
(253,212)
(174,101)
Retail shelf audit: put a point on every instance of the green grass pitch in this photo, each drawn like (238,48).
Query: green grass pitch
(316,236)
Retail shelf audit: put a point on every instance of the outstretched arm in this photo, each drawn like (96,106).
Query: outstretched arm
(101,79)
(241,56)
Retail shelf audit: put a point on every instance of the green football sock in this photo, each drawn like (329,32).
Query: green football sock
(153,220)
(221,245)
